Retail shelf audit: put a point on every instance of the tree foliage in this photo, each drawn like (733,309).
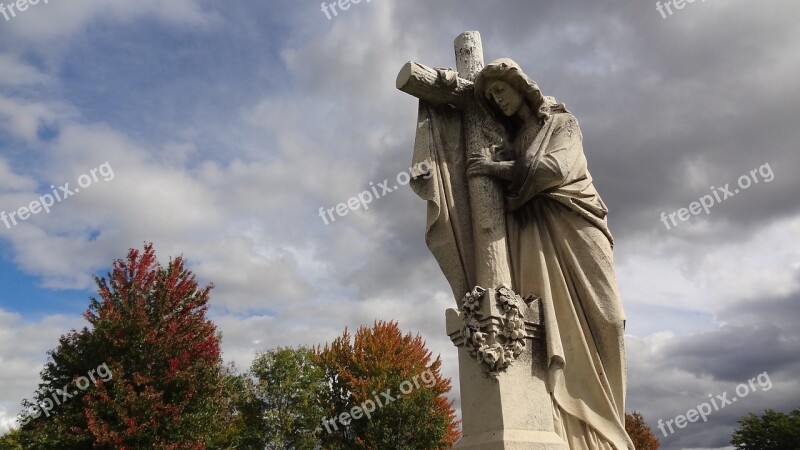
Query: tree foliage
(149,328)
(157,380)
(772,430)
(288,385)
(377,361)
(11,440)
(242,415)
(640,433)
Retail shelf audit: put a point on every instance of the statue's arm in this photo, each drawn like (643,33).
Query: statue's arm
(503,170)
(492,162)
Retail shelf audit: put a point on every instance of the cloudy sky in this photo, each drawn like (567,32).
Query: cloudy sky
(217,130)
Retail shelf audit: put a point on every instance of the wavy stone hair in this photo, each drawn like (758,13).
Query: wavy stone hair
(509,71)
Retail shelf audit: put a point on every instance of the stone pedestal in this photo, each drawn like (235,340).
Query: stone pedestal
(505,405)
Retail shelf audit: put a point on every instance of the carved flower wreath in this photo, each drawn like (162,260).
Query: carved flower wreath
(496,351)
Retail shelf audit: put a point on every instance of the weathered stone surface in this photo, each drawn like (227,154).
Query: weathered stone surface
(520,233)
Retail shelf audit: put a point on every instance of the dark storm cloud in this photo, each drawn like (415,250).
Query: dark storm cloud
(757,336)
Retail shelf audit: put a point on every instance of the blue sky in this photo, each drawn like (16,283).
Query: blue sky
(229,124)
(22,294)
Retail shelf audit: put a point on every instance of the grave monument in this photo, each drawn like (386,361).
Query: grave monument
(520,233)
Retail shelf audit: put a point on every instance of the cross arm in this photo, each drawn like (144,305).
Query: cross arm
(437,86)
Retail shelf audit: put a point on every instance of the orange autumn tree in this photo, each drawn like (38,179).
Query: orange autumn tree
(641,434)
(384,391)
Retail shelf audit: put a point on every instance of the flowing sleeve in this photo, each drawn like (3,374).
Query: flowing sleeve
(554,167)
(548,162)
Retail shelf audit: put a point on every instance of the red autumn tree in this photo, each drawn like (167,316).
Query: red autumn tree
(165,383)
(394,375)
(641,434)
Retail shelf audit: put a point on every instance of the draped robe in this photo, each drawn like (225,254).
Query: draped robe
(561,251)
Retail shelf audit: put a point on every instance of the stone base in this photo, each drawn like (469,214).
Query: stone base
(511,410)
(512,440)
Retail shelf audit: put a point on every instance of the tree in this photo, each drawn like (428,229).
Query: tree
(164,382)
(641,434)
(11,440)
(288,387)
(383,391)
(243,415)
(771,431)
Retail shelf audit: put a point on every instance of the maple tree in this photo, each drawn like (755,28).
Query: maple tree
(380,360)
(149,328)
(641,434)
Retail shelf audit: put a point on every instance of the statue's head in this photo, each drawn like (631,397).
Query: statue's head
(505,97)
(503,87)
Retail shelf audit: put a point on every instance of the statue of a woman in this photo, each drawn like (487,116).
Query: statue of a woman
(561,251)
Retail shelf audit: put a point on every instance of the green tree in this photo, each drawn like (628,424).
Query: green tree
(771,431)
(243,416)
(394,376)
(641,434)
(288,385)
(165,381)
(11,440)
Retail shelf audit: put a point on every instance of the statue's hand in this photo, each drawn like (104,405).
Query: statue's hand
(481,163)
(503,153)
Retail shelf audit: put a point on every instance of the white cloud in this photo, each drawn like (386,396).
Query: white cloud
(702,277)
(56,20)
(14,72)
(23,352)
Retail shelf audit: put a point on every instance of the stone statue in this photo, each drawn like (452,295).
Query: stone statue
(521,235)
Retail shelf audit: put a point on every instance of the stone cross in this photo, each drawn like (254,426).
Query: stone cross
(486,196)
(505,403)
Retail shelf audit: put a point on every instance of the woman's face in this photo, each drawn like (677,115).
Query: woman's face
(507,99)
